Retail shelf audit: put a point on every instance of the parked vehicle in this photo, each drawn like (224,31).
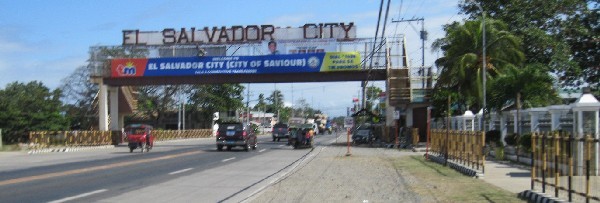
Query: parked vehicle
(301,136)
(139,136)
(236,135)
(280,130)
(363,135)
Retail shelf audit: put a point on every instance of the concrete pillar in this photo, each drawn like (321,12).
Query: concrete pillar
(556,112)
(535,114)
(515,124)
(503,127)
(493,118)
(114,108)
(103,107)
(586,117)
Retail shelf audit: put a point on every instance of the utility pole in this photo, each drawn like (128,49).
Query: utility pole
(423,34)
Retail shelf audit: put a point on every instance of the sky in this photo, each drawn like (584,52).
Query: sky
(47,40)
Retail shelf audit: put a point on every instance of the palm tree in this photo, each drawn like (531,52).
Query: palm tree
(531,85)
(462,62)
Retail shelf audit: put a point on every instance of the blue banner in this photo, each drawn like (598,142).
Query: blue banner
(288,63)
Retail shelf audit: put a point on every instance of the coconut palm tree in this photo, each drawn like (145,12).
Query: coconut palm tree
(462,63)
(531,86)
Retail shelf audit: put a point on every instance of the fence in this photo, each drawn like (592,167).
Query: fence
(566,165)
(462,147)
(48,139)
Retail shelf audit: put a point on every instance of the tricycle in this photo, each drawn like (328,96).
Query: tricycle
(139,136)
(301,136)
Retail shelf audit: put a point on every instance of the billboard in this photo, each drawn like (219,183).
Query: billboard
(187,66)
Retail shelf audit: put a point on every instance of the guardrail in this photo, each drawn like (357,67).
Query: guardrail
(49,139)
(566,164)
(460,147)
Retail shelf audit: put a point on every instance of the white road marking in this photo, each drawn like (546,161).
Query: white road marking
(180,171)
(282,145)
(225,160)
(262,150)
(78,196)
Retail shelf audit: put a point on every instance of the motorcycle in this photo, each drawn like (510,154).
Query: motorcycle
(139,136)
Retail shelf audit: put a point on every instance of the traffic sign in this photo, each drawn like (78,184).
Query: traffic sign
(348,122)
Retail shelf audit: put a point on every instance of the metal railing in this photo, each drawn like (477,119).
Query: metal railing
(463,147)
(565,165)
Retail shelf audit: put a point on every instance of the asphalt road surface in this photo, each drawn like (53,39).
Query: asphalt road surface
(179,171)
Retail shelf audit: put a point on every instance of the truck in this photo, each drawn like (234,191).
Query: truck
(321,122)
(280,130)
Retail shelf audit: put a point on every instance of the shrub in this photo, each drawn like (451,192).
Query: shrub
(511,139)
(525,142)
(493,136)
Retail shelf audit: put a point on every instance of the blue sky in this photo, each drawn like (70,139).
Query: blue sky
(47,40)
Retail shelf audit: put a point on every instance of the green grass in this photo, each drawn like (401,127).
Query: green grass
(13,147)
(448,185)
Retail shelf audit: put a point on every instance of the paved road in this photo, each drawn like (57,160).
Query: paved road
(193,171)
(189,171)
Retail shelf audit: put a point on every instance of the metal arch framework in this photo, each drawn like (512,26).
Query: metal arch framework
(362,75)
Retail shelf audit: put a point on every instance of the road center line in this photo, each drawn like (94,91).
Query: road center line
(180,171)
(262,150)
(78,196)
(225,160)
(91,169)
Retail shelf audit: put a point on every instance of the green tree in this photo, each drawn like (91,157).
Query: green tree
(275,101)
(29,107)
(527,87)
(462,63)
(207,99)
(561,34)
(80,95)
(372,96)
(261,105)
(155,103)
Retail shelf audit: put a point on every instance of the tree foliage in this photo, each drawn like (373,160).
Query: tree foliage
(80,95)
(526,87)
(207,99)
(27,107)
(561,34)
(462,63)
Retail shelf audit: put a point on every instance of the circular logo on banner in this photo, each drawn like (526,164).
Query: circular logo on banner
(313,62)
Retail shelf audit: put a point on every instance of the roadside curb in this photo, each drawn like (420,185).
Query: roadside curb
(69,149)
(459,167)
(538,197)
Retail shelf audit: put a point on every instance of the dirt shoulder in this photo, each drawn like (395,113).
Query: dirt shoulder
(377,175)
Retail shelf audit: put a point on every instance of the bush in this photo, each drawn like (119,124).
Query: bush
(493,136)
(511,139)
(525,142)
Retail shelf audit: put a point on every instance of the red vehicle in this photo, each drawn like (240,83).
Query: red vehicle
(139,136)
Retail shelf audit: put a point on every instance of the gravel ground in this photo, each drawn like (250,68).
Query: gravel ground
(328,175)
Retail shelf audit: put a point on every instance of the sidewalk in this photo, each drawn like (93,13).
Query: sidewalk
(504,174)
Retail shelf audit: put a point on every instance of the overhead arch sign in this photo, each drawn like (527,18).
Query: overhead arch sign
(206,65)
